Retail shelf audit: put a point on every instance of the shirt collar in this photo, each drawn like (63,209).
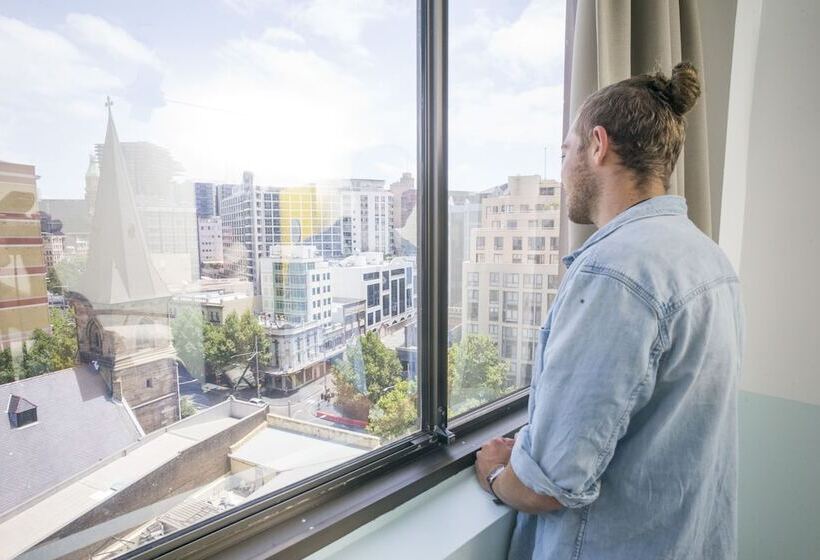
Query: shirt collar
(665,205)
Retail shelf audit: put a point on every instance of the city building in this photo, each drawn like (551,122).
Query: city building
(405,198)
(464,214)
(121,302)
(71,218)
(387,286)
(367,207)
(214,305)
(23,298)
(53,248)
(210,241)
(339,219)
(511,277)
(166,209)
(205,199)
(296,286)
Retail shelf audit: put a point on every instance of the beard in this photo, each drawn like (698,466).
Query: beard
(582,194)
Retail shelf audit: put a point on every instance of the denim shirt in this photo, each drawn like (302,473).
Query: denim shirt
(632,409)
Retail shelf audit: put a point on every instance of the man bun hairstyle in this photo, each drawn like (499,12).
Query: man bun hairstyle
(644,119)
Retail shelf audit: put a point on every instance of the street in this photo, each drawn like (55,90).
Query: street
(301,404)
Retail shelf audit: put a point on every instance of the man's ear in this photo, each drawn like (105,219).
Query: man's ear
(599,145)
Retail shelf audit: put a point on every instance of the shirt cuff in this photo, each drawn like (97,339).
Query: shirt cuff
(532,475)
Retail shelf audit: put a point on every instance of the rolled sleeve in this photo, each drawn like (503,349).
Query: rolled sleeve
(529,472)
(597,368)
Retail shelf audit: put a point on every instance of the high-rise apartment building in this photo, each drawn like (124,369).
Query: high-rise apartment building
(338,219)
(511,277)
(23,297)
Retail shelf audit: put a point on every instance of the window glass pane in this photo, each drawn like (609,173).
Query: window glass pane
(207,282)
(505,110)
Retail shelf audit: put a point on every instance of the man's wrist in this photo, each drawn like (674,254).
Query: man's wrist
(493,475)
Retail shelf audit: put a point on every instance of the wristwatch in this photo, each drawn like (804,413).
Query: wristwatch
(494,474)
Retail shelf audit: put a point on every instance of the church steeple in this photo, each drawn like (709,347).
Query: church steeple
(119,266)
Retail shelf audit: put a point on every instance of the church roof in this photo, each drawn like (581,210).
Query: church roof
(78,424)
(119,266)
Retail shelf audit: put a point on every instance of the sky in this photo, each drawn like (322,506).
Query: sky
(295,91)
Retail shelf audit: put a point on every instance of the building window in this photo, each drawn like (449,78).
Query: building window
(495,279)
(517,244)
(472,279)
(536,243)
(552,282)
(510,279)
(479,243)
(498,243)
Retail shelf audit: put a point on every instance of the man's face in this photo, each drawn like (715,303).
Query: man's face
(578,180)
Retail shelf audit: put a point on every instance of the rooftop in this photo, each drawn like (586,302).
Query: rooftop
(71,404)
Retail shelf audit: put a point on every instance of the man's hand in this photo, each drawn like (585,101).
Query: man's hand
(495,452)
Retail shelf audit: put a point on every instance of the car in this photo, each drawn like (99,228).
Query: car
(257,400)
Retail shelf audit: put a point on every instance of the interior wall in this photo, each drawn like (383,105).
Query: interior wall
(770,231)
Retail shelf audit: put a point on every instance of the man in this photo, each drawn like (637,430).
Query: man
(630,451)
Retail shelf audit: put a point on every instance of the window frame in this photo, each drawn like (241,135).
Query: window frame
(353,493)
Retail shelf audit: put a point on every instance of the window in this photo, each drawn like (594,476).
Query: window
(536,243)
(553,243)
(510,280)
(533,281)
(373,295)
(479,243)
(517,244)
(197,116)
(493,296)
(498,243)
(552,282)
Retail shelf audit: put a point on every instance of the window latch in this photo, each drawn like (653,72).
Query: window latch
(444,436)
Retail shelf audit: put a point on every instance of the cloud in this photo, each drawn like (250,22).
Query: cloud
(97,32)
(282,35)
(534,42)
(284,112)
(340,20)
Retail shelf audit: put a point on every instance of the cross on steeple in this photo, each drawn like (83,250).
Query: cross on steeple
(108,103)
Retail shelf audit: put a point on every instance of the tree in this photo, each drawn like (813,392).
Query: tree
(476,373)
(188,330)
(7,373)
(395,413)
(51,352)
(186,407)
(234,342)
(364,377)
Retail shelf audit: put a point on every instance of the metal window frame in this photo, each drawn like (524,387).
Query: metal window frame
(407,467)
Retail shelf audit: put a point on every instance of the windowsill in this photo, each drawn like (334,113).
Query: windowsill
(482,529)
(401,490)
